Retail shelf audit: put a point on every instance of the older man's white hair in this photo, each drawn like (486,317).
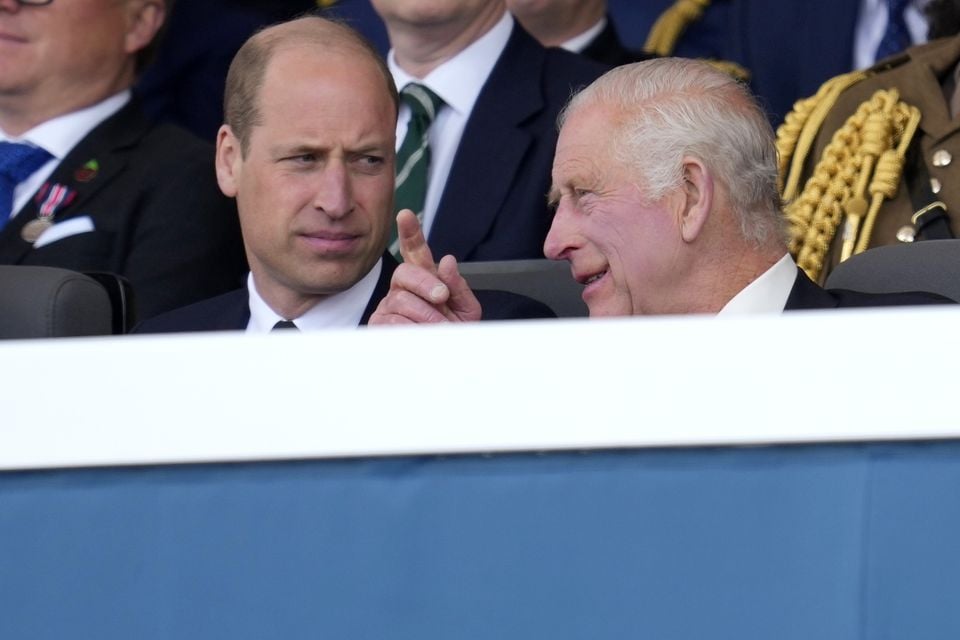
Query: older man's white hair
(673,108)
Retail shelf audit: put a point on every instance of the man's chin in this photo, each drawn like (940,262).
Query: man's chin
(332,282)
(604,309)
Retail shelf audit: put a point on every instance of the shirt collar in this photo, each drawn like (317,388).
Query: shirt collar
(458,81)
(768,293)
(61,134)
(580,42)
(340,310)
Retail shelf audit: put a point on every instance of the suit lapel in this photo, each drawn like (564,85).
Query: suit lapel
(609,49)
(606,46)
(806,294)
(382,288)
(235,312)
(88,168)
(491,149)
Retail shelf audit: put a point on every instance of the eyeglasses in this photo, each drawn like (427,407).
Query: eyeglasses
(34,3)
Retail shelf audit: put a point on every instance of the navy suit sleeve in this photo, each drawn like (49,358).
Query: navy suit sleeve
(503,305)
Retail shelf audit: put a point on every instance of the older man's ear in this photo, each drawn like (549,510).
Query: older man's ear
(696,199)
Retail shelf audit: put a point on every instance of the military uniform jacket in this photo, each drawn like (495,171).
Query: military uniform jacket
(917,75)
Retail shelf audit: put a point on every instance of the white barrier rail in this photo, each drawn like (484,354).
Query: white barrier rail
(802,377)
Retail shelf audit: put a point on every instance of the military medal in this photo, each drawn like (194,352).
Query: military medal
(32,230)
(50,199)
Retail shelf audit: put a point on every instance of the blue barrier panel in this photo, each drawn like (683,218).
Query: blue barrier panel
(820,541)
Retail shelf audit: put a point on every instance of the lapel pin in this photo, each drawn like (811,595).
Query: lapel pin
(87,172)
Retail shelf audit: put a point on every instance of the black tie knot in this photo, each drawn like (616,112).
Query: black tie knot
(284,325)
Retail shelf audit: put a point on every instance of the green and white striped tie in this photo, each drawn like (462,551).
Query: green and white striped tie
(413,158)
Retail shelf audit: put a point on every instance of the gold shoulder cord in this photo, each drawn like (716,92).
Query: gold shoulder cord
(801,125)
(671,24)
(865,157)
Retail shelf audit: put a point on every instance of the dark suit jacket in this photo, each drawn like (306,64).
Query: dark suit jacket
(494,206)
(608,49)
(231,311)
(184,83)
(160,220)
(806,294)
(789,52)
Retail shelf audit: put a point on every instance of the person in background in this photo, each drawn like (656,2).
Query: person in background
(903,113)
(476,132)
(86,181)
(184,85)
(582,27)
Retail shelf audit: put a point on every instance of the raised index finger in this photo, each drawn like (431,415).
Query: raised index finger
(413,246)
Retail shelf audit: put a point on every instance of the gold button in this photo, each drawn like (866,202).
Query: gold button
(935,185)
(906,233)
(941,158)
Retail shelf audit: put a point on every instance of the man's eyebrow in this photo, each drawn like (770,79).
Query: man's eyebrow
(553,196)
(299,149)
(370,148)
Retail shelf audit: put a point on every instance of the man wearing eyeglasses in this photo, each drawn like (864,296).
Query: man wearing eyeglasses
(86,182)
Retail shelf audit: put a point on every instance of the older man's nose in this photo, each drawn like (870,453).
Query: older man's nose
(560,238)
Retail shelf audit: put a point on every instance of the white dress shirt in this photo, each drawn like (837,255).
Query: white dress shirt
(872,23)
(768,293)
(58,137)
(578,43)
(340,310)
(458,82)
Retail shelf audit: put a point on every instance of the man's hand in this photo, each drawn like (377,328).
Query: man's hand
(421,290)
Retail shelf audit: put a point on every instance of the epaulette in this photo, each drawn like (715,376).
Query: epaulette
(860,167)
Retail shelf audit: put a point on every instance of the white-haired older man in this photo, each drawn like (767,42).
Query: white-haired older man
(665,188)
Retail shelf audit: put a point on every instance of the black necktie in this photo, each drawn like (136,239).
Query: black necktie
(285,324)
